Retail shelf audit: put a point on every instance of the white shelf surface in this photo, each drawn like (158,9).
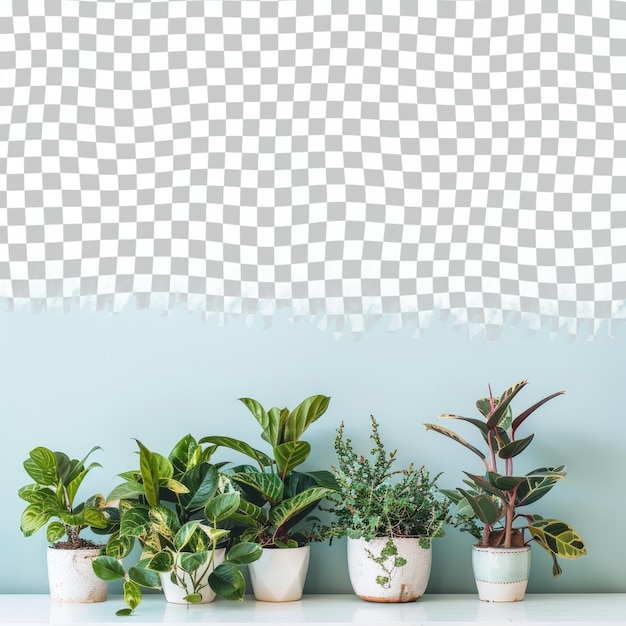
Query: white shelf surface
(326,610)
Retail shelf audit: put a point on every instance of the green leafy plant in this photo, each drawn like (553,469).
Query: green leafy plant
(373,499)
(52,499)
(278,499)
(178,509)
(488,504)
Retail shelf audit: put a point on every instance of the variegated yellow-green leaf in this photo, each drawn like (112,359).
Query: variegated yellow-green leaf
(185,533)
(292,506)
(240,446)
(55,531)
(173,485)
(164,521)
(537,484)
(149,466)
(132,594)
(214,534)
(260,414)
(33,518)
(486,509)
(222,506)
(143,576)
(185,455)
(135,522)
(161,562)
(95,518)
(291,454)
(41,466)
(452,435)
(270,486)
(500,411)
(308,411)
(557,537)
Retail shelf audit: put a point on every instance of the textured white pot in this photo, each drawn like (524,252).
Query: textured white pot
(279,575)
(501,573)
(176,594)
(71,577)
(406,583)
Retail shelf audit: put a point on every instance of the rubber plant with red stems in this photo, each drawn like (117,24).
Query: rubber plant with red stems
(493,499)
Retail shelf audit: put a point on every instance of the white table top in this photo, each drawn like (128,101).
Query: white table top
(326,610)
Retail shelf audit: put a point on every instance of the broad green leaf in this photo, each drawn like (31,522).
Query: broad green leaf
(202,481)
(292,506)
(132,594)
(119,547)
(244,553)
(270,486)
(33,518)
(164,521)
(129,490)
(261,416)
(452,435)
(291,454)
(161,562)
(281,418)
(484,406)
(191,561)
(485,509)
(558,538)
(72,488)
(41,466)
(214,534)
(507,396)
(108,568)
(135,522)
(519,420)
(307,412)
(227,582)
(77,467)
(222,506)
(55,531)
(143,576)
(240,446)
(33,493)
(149,464)
(514,448)
(324,478)
(185,455)
(124,612)
(193,598)
(173,485)
(538,483)
(96,518)
(185,534)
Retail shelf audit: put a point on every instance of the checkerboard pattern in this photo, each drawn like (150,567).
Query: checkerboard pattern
(351,161)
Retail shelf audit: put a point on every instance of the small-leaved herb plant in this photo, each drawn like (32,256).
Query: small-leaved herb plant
(374,499)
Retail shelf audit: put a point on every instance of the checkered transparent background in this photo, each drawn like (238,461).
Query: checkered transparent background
(350,161)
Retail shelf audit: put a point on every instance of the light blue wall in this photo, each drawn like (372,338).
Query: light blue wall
(71,381)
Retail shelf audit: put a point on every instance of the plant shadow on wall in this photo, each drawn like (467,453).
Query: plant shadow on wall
(488,505)
(179,509)
(389,516)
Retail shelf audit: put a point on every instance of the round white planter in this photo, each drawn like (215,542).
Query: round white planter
(280,573)
(501,573)
(176,594)
(388,581)
(71,577)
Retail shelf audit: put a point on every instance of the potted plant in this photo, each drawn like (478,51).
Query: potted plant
(177,508)
(389,516)
(275,510)
(52,503)
(489,504)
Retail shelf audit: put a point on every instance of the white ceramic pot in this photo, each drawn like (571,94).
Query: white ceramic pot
(176,594)
(501,573)
(388,580)
(280,573)
(71,577)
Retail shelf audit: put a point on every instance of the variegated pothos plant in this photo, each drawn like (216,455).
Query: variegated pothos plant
(495,496)
(178,509)
(278,499)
